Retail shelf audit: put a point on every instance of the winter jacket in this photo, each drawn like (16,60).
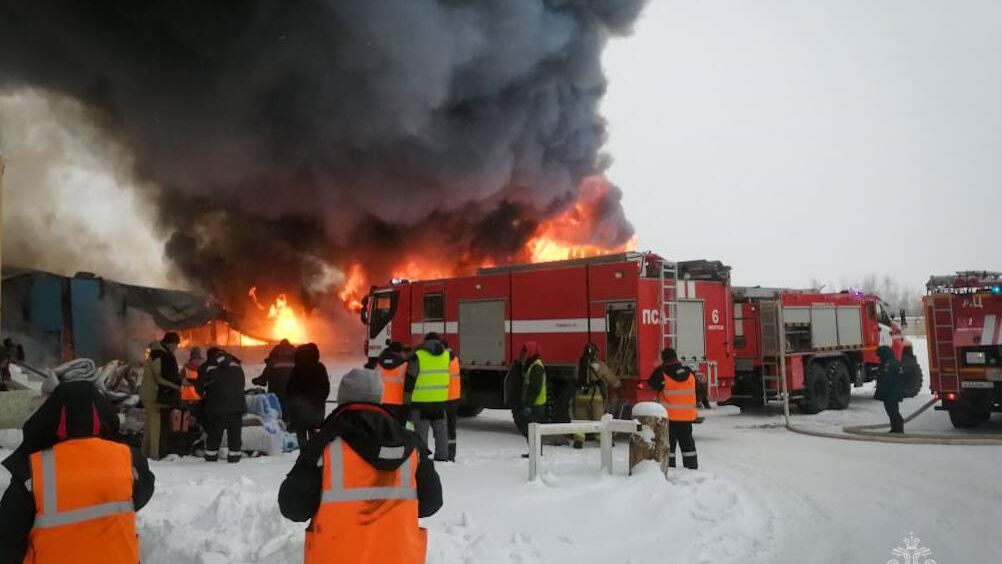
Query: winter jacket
(674,370)
(371,432)
(277,370)
(890,385)
(40,430)
(433,347)
(308,389)
(221,384)
(160,370)
(69,413)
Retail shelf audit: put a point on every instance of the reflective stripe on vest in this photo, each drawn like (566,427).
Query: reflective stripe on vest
(188,391)
(50,515)
(366,515)
(393,384)
(541,396)
(337,492)
(83,504)
(455,380)
(432,384)
(679,398)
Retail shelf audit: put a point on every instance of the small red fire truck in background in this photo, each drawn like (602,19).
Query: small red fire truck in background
(825,342)
(630,305)
(963,315)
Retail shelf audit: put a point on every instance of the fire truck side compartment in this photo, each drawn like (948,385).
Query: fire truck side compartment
(482,333)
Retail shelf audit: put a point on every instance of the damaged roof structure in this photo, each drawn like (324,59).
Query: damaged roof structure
(59,318)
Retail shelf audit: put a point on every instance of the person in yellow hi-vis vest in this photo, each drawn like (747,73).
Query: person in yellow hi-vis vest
(426,389)
(676,387)
(532,407)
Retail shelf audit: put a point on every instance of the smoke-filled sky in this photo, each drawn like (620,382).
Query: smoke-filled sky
(281,141)
(795,141)
(826,139)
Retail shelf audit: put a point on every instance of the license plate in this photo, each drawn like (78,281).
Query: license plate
(976,385)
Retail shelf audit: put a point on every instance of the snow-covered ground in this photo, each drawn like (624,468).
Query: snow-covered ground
(762,494)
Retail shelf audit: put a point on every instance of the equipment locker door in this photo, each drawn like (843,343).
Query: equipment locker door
(482,333)
(691,330)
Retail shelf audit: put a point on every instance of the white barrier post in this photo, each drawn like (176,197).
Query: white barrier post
(534,440)
(605,443)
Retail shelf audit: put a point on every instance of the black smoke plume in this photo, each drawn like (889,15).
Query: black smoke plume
(284,137)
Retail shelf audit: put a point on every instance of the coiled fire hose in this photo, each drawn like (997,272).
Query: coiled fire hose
(871,433)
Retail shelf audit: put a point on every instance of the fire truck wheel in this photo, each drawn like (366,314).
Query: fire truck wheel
(965,417)
(841,385)
(816,389)
(469,410)
(911,373)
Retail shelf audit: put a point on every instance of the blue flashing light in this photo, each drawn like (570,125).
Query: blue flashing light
(997,290)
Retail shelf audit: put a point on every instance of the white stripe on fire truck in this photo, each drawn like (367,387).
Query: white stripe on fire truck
(988,331)
(691,291)
(680,290)
(575,325)
(998,333)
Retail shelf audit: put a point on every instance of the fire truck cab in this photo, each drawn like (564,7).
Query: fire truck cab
(963,315)
(629,305)
(824,342)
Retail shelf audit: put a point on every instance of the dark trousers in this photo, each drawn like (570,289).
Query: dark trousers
(680,435)
(562,401)
(894,414)
(215,424)
(536,414)
(703,395)
(303,437)
(451,420)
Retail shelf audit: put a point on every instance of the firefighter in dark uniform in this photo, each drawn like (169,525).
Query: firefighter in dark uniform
(676,387)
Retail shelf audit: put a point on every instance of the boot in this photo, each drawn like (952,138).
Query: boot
(211,456)
(233,458)
(578,444)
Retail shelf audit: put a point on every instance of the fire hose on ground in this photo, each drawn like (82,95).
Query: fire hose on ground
(870,433)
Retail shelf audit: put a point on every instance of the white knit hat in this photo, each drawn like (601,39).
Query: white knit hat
(360,385)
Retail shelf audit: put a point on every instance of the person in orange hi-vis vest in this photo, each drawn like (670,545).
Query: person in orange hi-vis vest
(189,373)
(676,387)
(73,493)
(362,481)
(453,402)
(392,368)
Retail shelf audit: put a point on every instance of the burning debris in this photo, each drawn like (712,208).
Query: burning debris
(306,149)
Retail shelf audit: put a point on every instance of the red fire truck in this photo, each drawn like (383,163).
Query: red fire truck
(629,305)
(963,316)
(825,342)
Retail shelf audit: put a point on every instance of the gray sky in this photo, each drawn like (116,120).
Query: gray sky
(825,139)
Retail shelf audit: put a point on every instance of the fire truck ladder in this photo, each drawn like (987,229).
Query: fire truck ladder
(773,350)
(946,353)
(669,303)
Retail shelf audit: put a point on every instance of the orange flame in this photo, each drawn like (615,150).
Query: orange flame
(575,233)
(354,285)
(285,322)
